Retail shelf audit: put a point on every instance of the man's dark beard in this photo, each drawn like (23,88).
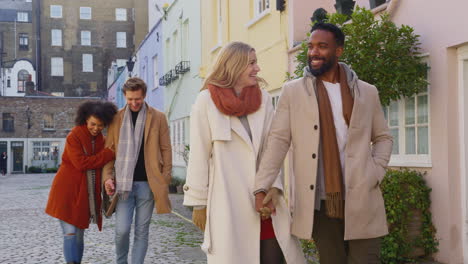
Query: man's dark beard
(326,66)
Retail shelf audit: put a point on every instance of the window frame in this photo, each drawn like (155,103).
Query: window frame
(121,16)
(58,72)
(83,43)
(8,122)
(402,159)
(83,13)
(22,16)
(118,44)
(57,8)
(261,7)
(22,37)
(87,62)
(56,40)
(48,124)
(22,81)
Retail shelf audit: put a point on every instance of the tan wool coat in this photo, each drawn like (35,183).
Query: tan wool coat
(158,155)
(367,153)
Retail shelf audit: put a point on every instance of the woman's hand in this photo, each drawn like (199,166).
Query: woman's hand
(199,218)
(110,187)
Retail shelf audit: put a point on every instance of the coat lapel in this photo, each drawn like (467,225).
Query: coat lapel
(237,127)
(358,103)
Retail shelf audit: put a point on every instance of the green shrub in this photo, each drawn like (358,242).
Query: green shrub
(405,192)
(380,52)
(51,170)
(34,169)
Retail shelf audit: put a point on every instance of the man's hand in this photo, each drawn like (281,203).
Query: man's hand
(110,187)
(199,218)
(265,209)
(271,199)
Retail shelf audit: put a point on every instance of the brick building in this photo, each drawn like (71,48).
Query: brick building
(80,39)
(18,33)
(33,129)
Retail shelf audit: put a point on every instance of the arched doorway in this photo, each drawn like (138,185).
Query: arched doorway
(23,77)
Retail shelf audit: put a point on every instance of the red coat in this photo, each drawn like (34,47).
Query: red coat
(68,197)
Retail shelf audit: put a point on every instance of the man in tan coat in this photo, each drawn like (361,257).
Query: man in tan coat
(340,146)
(141,172)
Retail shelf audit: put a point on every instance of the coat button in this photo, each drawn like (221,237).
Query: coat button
(315,127)
(311,186)
(314,156)
(186,188)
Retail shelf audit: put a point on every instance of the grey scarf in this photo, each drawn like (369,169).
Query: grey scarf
(129,148)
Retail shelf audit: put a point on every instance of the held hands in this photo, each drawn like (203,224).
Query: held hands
(110,186)
(266,204)
(199,218)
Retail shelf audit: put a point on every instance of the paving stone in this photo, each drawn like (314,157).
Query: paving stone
(30,236)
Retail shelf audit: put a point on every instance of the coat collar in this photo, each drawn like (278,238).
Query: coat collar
(256,121)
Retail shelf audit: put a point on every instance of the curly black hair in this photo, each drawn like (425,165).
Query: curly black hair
(103,111)
(335,30)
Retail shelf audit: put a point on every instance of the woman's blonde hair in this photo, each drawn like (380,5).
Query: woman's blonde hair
(231,62)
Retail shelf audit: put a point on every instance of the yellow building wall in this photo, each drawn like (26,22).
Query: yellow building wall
(268,35)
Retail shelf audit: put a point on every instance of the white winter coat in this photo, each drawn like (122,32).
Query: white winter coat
(221,175)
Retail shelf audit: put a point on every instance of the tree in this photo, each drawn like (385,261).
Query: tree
(380,52)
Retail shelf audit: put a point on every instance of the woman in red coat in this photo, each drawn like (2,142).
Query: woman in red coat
(75,195)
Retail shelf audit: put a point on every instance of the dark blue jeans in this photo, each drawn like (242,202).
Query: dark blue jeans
(73,243)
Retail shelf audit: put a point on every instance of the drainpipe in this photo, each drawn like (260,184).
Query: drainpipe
(38,45)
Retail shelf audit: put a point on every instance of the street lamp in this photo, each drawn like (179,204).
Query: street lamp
(130,64)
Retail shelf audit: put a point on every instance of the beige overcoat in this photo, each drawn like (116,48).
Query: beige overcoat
(158,155)
(367,153)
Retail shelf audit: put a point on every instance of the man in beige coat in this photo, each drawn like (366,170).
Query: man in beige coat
(141,172)
(340,146)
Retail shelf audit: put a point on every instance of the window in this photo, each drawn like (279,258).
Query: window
(8,82)
(376,3)
(85,12)
(22,17)
(46,150)
(48,122)
(261,6)
(23,77)
(155,72)
(121,62)
(178,141)
(8,122)
(85,38)
(408,121)
(121,39)
(56,37)
(121,14)
(56,11)
(87,62)
(23,41)
(56,66)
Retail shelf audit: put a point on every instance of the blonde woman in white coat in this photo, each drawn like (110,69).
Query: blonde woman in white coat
(229,124)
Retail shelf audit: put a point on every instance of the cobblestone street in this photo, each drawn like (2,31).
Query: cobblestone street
(28,235)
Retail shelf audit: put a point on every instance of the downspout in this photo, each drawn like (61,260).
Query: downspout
(38,46)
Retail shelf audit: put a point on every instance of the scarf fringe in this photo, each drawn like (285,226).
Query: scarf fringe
(334,205)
